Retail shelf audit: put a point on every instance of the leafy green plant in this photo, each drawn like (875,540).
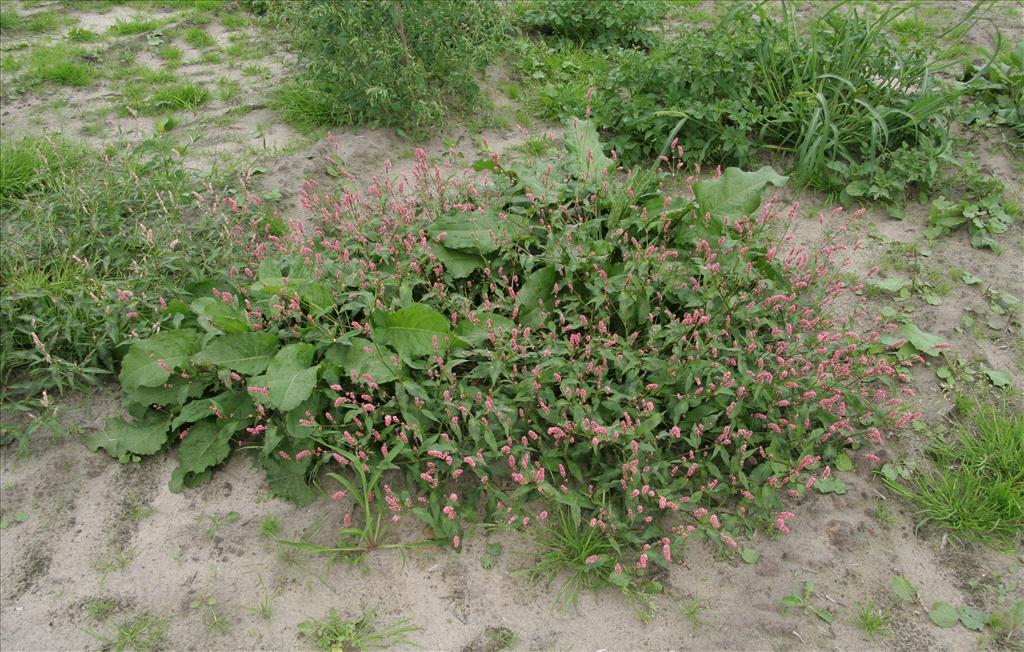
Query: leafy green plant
(998,91)
(984,218)
(362,633)
(976,488)
(611,23)
(873,620)
(804,600)
(563,337)
(400,64)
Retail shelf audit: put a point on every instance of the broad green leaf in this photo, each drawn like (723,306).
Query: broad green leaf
(844,463)
(903,589)
(171,396)
(458,264)
(362,357)
(924,342)
(973,618)
(537,291)
(830,485)
(998,377)
(471,232)
(287,479)
(585,152)
(891,284)
(216,315)
(413,331)
(121,437)
(246,353)
(943,614)
(207,444)
(289,377)
(750,555)
(142,366)
(476,333)
(736,193)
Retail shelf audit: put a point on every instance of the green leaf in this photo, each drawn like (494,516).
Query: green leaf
(584,149)
(620,580)
(289,377)
(924,342)
(830,485)
(736,193)
(121,437)
(750,555)
(972,618)
(362,357)
(471,232)
(998,377)
(476,333)
(943,614)
(844,463)
(207,444)
(891,284)
(246,353)
(287,479)
(903,589)
(142,366)
(216,315)
(458,264)
(413,330)
(537,292)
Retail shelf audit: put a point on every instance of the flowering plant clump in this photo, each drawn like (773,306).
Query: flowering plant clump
(563,337)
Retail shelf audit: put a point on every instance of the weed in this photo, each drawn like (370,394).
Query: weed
(59,65)
(269,527)
(254,70)
(1006,625)
(234,21)
(358,634)
(600,24)
(198,38)
(43,21)
(212,618)
(217,522)
(691,609)
(133,27)
(188,97)
(500,638)
(804,600)
(228,89)
(873,620)
(82,35)
(118,561)
(171,55)
(393,63)
(99,610)
(9,19)
(976,487)
(144,632)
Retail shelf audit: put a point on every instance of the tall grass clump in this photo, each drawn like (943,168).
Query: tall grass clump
(562,336)
(86,235)
(398,64)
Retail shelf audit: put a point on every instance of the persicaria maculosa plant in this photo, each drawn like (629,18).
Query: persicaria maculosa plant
(560,336)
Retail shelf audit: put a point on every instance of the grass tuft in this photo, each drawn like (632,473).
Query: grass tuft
(133,27)
(361,633)
(976,487)
(179,97)
(198,38)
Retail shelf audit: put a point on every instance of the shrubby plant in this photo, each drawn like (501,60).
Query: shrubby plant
(623,23)
(565,337)
(395,64)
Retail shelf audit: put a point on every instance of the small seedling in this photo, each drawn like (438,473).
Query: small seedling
(692,609)
(804,601)
(218,521)
(145,632)
(99,610)
(873,619)
(491,558)
(270,527)
(212,619)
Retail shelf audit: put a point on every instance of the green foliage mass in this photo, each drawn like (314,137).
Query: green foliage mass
(623,23)
(564,337)
(396,64)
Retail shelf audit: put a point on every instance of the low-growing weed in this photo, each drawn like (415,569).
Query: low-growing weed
(187,96)
(133,27)
(99,610)
(975,489)
(804,600)
(144,632)
(872,619)
(82,35)
(218,521)
(269,527)
(172,55)
(624,23)
(60,65)
(362,633)
(198,38)
(213,620)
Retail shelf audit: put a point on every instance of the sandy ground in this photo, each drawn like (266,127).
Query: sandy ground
(100,531)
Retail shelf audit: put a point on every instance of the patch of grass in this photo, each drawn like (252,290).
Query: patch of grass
(198,38)
(254,70)
(81,35)
(234,21)
(568,548)
(172,55)
(228,89)
(270,527)
(9,19)
(975,489)
(59,65)
(873,620)
(333,633)
(691,609)
(99,610)
(44,21)
(138,25)
(187,96)
(18,165)
(305,106)
(144,632)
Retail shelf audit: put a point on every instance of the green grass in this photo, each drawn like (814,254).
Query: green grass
(44,21)
(18,165)
(357,634)
(133,27)
(873,620)
(304,106)
(145,632)
(234,21)
(198,38)
(187,96)
(172,55)
(976,488)
(59,65)
(80,35)
(9,20)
